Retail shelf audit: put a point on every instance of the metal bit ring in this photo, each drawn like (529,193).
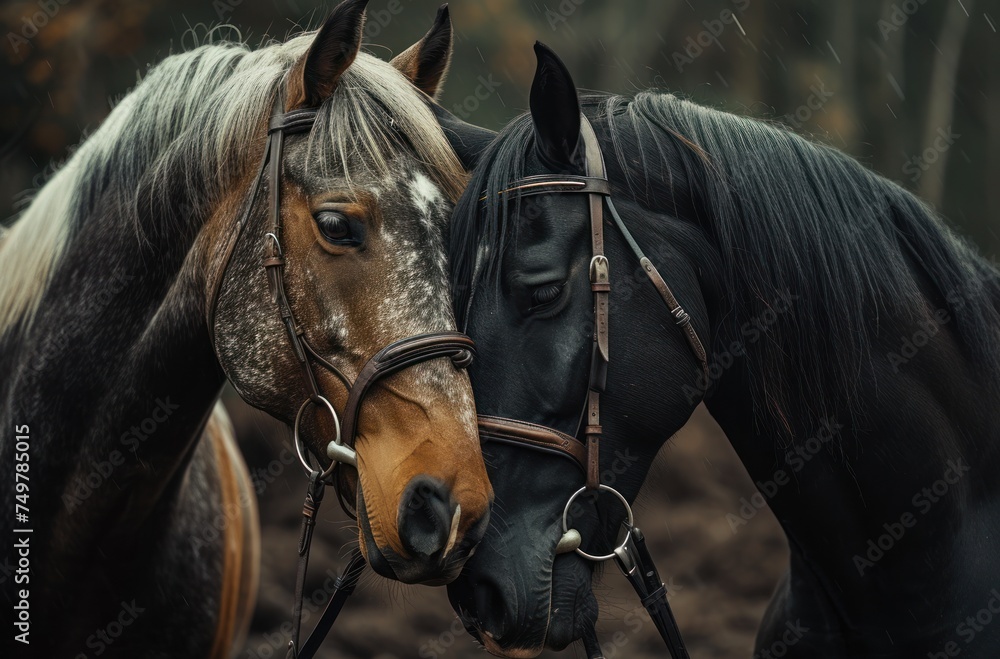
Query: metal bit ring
(628,522)
(303,453)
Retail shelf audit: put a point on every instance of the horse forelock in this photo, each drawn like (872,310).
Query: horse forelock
(192,128)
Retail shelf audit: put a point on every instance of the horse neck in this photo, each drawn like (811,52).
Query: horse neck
(916,426)
(114,384)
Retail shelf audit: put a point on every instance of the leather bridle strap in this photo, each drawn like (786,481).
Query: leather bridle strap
(540,438)
(597,188)
(399,355)
(681,317)
(296,121)
(343,587)
(215,286)
(637,565)
(391,359)
(632,556)
(540,184)
(600,286)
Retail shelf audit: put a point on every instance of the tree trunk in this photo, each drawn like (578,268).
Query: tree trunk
(941,101)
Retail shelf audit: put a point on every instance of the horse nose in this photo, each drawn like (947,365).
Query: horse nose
(492,609)
(428,520)
(499,624)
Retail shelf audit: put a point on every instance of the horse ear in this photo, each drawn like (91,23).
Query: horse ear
(315,75)
(555,109)
(426,62)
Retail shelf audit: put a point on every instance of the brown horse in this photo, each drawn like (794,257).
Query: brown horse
(131,289)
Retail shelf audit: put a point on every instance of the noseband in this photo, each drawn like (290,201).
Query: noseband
(631,555)
(391,359)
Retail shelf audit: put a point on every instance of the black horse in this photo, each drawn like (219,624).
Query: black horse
(853,364)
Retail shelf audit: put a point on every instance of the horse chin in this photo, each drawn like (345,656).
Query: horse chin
(572,613)
(574,607)
(369,548)
(493,648)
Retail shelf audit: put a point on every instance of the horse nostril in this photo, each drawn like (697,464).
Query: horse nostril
(428,521)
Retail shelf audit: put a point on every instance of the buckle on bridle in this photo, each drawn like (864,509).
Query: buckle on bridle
(600,270)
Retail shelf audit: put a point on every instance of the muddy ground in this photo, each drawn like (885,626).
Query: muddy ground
(722,579)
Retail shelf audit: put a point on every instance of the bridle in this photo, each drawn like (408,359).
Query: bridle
(631,555)
(391,359)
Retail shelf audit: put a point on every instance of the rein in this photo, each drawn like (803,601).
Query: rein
(391,359)
(631,556)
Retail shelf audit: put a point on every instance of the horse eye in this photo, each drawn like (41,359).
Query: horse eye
(546,294)
(336,228)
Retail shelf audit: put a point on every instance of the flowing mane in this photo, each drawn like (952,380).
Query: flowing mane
(165,153)
(783,214)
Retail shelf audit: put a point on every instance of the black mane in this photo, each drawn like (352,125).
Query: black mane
(784,214)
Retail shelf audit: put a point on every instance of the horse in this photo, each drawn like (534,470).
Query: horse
(132,290)
(849,348)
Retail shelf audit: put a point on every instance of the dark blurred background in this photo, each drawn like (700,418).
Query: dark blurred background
(911,87)
(881,79)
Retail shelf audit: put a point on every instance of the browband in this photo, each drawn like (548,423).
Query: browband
(554,183)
